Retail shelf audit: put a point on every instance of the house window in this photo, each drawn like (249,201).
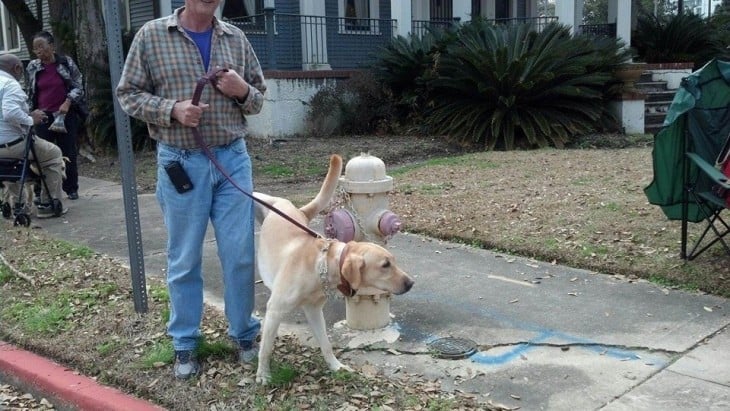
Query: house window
(245,14)
(233,9)
(10,35)
(359,15)
(441,10)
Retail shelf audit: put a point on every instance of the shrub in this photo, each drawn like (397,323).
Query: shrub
(101,125)
(407,64)
(507,87)
(675,38)
(720,25)
(359,105)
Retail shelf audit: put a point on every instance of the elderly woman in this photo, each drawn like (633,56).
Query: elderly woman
(55,85)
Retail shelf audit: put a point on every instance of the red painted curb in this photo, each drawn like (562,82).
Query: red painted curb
(63,385)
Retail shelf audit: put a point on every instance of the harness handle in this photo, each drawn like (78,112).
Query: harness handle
(210,78)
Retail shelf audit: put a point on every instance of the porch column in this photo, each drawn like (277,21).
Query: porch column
(619,12)
(314,35)
(166,8)
(461,9)
(570,13)
(400,11)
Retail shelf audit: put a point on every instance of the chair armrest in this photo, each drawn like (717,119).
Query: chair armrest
(718,177)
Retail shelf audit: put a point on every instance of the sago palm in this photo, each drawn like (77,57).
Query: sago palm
(508,87)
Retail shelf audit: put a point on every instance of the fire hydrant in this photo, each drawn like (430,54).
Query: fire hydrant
(365,217)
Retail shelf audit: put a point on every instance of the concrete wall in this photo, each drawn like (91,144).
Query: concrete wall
(630,112)
(285,109)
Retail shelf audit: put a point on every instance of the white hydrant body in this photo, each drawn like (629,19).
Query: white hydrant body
(365,217)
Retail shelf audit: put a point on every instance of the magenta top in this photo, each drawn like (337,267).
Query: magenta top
(50,88)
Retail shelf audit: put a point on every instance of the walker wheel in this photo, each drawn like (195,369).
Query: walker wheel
(57,207)
(7,210)
(22,220)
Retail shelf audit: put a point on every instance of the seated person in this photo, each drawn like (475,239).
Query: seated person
(15,122)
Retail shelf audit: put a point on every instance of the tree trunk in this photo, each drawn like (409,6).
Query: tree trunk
(62,23)
(91,48)
(90,35)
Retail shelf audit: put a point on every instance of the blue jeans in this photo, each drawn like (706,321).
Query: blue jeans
(186,217)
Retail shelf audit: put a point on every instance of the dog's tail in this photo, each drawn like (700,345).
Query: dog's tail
(327,191)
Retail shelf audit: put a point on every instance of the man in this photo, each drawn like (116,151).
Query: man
(15,122)
(166,58)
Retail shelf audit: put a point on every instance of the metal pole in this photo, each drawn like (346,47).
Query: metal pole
(126,159)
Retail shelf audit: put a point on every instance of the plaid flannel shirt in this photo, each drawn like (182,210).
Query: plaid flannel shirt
(163,67)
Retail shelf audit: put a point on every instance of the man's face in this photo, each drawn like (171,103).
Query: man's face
(206,7)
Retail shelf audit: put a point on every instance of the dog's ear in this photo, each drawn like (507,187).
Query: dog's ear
(352,270)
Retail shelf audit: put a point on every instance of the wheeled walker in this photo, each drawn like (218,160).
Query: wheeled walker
(22,171)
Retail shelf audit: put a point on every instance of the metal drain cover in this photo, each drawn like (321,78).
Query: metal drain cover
(453,348)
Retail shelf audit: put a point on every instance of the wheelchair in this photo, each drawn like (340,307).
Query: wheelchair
(19,170)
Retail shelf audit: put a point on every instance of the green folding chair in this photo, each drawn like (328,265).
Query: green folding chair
(708,191)
(687,185)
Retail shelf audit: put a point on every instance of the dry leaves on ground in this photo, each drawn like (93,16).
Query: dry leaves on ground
(79,312)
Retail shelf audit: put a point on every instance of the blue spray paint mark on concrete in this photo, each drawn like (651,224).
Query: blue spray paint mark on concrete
(543,335)
(491,359)
(520,349)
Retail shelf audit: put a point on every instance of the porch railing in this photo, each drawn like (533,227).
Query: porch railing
(421,27)
(295,42)
(538,22)
(605,30)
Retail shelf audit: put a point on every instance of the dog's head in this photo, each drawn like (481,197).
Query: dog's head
(64,160)
(370,265)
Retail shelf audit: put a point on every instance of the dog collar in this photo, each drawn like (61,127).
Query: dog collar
(344,286)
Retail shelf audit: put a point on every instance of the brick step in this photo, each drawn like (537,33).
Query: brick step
(651,86)
(652,128)
(660,97)
(651,118)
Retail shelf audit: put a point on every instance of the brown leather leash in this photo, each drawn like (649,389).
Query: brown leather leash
(210,78)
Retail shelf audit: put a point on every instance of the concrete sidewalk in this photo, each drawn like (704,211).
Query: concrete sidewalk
(548,336)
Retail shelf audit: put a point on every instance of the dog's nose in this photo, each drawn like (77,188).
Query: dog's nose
(407,284)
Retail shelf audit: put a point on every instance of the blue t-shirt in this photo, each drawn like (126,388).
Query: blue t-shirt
(202,40)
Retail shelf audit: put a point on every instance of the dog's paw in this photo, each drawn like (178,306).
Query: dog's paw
(263,379)
(338,366)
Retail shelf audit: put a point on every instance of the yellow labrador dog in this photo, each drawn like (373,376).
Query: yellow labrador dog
(298,268)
